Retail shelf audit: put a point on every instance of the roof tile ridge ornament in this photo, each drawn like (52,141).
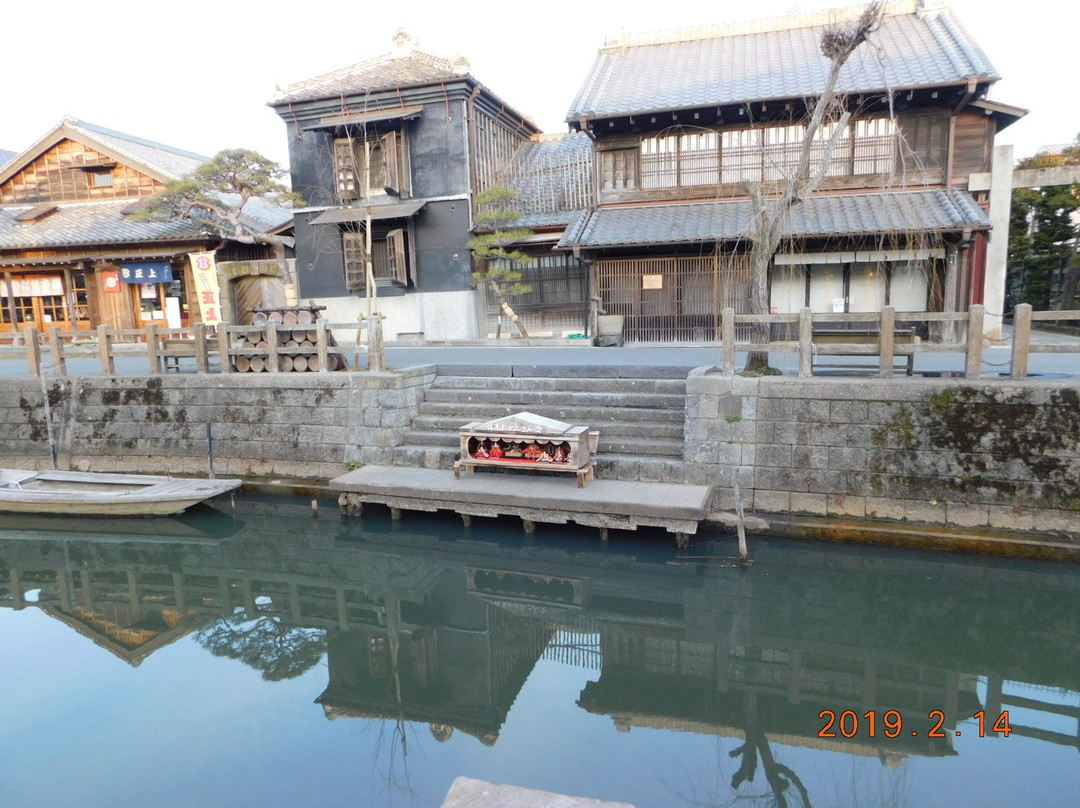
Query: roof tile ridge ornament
(764,25)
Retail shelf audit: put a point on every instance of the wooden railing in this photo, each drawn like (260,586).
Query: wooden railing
(873,335)
(883,345)
(166,349)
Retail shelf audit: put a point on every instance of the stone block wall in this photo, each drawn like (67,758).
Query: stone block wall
(282,425)
(950,452)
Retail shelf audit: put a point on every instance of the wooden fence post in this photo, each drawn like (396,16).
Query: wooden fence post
(153,355)
(806,342)
(56,351)
(202,354)
(273,359)
(727,339)
(973,360)
(105,352)
(223,347)
(1021,341)
(321,346)
(33,350)
(886,342)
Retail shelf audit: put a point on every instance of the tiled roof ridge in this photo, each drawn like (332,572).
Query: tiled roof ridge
(358,68)
(789,22)
(94,129)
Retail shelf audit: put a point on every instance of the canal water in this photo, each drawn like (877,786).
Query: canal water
(255,655)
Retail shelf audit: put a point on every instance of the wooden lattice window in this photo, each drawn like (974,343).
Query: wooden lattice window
(388,259)
(875,146)
(619,169)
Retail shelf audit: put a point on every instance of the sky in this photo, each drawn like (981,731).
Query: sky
(198,75)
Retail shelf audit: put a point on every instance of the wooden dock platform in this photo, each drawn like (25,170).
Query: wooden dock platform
(604,504)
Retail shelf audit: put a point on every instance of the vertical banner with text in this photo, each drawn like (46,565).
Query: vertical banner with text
(204,270)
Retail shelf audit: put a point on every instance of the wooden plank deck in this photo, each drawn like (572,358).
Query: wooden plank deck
(604,504)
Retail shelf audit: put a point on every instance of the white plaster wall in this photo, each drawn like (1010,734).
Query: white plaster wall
(438,315)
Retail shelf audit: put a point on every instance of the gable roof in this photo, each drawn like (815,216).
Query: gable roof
(156,160)
(405,67)
(776,59)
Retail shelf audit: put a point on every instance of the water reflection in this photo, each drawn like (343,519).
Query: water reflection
(437,628)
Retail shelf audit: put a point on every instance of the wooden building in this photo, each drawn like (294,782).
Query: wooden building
(724,109)
(70,253)
(399,144)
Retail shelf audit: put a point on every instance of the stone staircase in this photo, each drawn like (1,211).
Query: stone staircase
(640,412)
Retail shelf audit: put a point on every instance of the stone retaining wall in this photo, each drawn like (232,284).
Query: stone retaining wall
(282,425)
(966,454)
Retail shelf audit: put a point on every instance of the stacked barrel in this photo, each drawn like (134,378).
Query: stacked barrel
(297,339)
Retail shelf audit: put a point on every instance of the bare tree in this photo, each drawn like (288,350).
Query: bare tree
(772,204)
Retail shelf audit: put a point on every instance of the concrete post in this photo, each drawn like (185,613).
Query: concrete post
(997,252)
(806,343)
(727,339)
(973,363)
(1021,341)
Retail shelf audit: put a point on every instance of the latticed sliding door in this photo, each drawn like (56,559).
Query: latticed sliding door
(676,299)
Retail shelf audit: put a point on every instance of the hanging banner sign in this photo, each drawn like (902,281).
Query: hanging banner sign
(204,271)
(37,285)
(146,272)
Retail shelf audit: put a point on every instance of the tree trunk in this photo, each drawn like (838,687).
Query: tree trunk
(504,306)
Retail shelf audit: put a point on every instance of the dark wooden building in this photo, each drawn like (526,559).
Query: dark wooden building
(724,108)
(399,144)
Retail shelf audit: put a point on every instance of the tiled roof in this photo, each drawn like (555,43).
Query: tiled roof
(819,216)
(80,223)
(385,72)
(552,179)
(775,59)
(173,163)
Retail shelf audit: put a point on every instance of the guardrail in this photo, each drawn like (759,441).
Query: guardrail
(873,335)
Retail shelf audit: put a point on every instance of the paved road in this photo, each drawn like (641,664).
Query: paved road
(995,360)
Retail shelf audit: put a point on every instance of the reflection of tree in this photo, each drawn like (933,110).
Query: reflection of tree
(265,644)
(779,776)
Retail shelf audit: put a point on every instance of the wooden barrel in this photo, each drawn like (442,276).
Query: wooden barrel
(254,336)
(258,318)
(307,345)
(262,345)
(299,364)
(257,364)
(243,364)
(292,345)
(312,363)
(305,316)
(297,335)
(274,317)
(285,364)
(312,335)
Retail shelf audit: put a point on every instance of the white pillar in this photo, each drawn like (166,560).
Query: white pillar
(997,252)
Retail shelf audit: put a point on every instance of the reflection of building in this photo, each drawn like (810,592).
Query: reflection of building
(70,253)
(420,629)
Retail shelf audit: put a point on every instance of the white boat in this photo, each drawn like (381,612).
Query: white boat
(89,493)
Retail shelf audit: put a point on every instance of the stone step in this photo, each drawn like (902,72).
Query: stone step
(530,398)
(568,371)
(594,416)
(651,447)
(570,384)
(646,429)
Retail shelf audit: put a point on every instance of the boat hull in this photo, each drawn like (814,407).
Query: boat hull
(73,493)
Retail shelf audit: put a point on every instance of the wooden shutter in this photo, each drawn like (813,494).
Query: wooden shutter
(395,253)
(355,260)
(391,176)
(345,169)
